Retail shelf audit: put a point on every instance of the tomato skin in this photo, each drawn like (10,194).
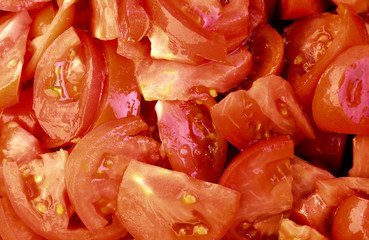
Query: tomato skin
(357,5)
(342,109)
(169,80)
(293,9)
(106,151)
(262,174)
(14,30)
(72,116)
(360,157)
(104,24)
(154,201)
(328,35)
(20,5)
(267,49)
(121,95)
(201,151)
(269,108)
(351,219)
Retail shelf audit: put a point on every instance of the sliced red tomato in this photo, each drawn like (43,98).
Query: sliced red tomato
(41,20)
(22,113)
(121,97)
(37,193)
(351,219)
(290,230)
(262,174)
(61,22)
(312,43)
(269,108)
(169,80)
(134,24)
(258,13)
(154,201)
(358,5)
(12,227)
(340,100)
(267,49)
(69,78)
(183,34)
(360,157)
(104,22)
(200,151)
(97,163)
(20,5)
(327,150)
(14,30)
(293,9)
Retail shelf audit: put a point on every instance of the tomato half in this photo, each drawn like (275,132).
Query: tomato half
(351,219)
(269,108)
(267,49)
(104,22)
(121,95)
(169,80)
(68,82)
(340,101)
(20,5)
(313,42)
(200,151)
(97,163)
(290,230)
(14,30)
(38,195)
(262,174)
(360,157)
(154,201)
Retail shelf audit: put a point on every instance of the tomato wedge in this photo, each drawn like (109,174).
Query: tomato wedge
(154,201)
(360,157)
(201,150)
(293,9)
(14,30)
(262,174)
(68,78)
(97,163)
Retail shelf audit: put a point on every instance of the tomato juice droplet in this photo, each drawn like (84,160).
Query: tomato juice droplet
(353,94)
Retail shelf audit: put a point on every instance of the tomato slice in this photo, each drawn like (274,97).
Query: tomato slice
(200,151)
(154,201)
(340,99)
(37,194)
(269,108)
(41,20)
(61,22)
(267,49)
(97,163)
(262,174)
(20,5)
(121,96)
(293,9)
(169,80)
(14,29)
(312,43)
(68,78)
(290,230)
(183,33)
(351,219)
(11,226)
(104,23)
(360,157)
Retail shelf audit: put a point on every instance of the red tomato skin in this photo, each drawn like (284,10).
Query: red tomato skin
(252,173)
(201,150)
(357,5)
(154,201)
(337,110)
(293,9)
(360,157)
(70,119)
(340,29)
(14,30)
(351,219)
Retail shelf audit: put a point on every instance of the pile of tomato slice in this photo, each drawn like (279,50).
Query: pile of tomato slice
(164,119)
